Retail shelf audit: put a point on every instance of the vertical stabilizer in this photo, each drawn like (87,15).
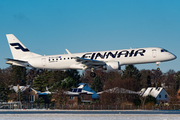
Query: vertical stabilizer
(19,51)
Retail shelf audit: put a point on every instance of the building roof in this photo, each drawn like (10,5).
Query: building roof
(44,93)
(118,90)
(80,90)
(71,93)
(83,88)
(21,88)
(153,91)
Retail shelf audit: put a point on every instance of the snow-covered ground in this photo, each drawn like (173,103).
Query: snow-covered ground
(88,117)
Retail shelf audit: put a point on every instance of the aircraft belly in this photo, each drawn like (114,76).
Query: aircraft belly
(133,60)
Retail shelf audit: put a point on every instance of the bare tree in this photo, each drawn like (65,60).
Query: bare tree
(59,97)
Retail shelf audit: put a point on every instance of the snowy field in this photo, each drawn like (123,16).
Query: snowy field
(88,117)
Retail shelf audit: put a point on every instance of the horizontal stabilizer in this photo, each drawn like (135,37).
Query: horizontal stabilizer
(17,62)
(9,59)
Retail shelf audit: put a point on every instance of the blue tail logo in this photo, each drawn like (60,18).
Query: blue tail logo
(19,47)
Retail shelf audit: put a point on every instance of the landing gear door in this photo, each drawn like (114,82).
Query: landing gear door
(43,61)
(154,53)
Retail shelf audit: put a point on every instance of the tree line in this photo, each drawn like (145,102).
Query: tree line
(130,78)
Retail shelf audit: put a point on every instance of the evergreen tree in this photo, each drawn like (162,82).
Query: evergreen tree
(18,75)
(40,83)
(5,77)
(4,90)
(68,83)
(74,74)
(56,79)
(132,75)
(97,84)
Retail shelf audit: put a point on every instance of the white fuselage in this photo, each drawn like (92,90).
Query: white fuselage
(124,57)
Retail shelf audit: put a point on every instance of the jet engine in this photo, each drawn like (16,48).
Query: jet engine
(112,66)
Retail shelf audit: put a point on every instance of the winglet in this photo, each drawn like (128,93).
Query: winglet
(68,52)
(75,57)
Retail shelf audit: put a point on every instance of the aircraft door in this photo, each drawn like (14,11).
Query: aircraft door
(154,53)
(43,61)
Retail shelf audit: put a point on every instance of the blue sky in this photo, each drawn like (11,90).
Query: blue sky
(49,27)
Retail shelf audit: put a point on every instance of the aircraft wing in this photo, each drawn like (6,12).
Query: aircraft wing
(87,62)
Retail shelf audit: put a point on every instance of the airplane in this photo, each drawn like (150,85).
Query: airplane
(110,60)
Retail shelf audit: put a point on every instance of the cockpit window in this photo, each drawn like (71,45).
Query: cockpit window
(163,50)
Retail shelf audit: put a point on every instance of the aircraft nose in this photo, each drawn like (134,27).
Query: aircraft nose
(173,56)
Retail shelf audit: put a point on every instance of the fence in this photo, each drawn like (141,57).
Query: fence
(19,105)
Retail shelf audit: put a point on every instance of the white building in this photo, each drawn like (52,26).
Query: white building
(159,93)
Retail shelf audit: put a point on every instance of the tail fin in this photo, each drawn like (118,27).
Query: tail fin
(19,51)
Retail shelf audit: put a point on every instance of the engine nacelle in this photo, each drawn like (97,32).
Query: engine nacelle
(112,66)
